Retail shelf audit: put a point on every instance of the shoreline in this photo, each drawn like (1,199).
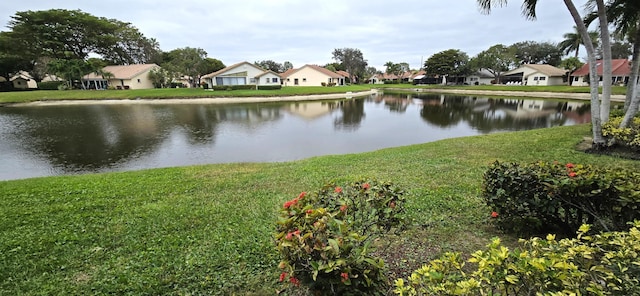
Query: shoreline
(211,100)
(317,97)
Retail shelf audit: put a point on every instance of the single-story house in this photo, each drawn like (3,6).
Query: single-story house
(23,80)
(620,70)
(121,77)
(243,73)
(480,77)
(311,75)
(535,74)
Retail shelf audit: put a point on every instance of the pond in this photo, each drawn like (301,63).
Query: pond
(75,139)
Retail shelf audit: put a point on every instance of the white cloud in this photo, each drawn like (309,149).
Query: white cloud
(307,31)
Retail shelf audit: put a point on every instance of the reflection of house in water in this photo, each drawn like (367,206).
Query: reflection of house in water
(311,110)
(529,108)
(394,102)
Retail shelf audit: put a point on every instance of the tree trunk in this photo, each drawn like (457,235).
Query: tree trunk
(633,108)
(596,122)
(635,67)
(606,62)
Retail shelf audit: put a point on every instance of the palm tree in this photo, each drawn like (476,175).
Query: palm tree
(572,41)
(529,11)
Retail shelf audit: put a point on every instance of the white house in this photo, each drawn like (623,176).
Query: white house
(23,80)
(536,74)
(243,73)
(620,71)
(480,77)
(311,75)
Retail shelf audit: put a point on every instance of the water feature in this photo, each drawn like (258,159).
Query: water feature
(72,139)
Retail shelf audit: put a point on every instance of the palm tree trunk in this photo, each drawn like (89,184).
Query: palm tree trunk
(598,139)
(606,63)
(635,68)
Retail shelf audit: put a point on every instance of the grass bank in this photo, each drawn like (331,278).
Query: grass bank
(167,93)
(207,229)
(186,93)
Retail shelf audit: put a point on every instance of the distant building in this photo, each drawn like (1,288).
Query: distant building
(620,70)
(121,77)
(311,75)
(243,73)
(535,74)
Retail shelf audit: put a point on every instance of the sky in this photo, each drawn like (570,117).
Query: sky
(307,31)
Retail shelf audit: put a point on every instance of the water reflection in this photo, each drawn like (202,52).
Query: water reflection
(39,141)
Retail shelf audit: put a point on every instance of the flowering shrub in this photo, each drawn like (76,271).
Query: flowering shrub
(602,264)
(629,136)
(558,198)
(324,237)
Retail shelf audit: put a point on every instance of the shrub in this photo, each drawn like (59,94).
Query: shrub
(324,237)
(269,87)
(50,85)
(629,136)
(323,83)
(552,197)
(602,264)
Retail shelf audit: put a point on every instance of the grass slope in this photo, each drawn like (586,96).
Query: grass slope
(207,229)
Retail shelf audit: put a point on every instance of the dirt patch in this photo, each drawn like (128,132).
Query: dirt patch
(613,150)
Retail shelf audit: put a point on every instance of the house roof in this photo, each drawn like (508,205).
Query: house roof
(267,72)
(123,71)
(542,68)
(343,73)
(21,74)
(315,67)
(484,73)
(619,67)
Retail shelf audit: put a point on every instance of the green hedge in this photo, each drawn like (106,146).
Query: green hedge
(557,198)
(50,85)
(269,87)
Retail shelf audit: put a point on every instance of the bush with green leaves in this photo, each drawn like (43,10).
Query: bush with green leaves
(269,87)
(324,238)
(601,264)
(629,136)
(557,198)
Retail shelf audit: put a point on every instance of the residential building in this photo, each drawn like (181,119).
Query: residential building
(535,74)
(620,71)
(311,75)
(243,73)
(121,77)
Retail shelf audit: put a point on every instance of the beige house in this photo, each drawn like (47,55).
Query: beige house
(23,80)
(535,74)
(311,75)
(121,77)
(243,73)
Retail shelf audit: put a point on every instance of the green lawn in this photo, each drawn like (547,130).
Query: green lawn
(167,93)
(170,93)
(204,230)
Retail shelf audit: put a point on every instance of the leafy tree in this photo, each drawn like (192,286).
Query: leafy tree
(352,61)
(397,69)
(497,60)
(11,61)
(451,62)
(532,52)
(270,65)
(619,50)
(71,69)
(572,41)
(161,77)
(210,65)
(287,66)
(572,64)
(73,34)
(190,62)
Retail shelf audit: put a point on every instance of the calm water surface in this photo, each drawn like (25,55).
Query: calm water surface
(59,140)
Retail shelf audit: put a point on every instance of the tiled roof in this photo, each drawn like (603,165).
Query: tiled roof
(267,72)
(619,67)
(210,75)
(542,68)
(315,67)
(123,71)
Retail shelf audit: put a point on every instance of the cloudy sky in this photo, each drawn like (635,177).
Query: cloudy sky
(307,31)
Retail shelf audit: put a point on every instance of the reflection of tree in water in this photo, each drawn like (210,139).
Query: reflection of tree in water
(395,102)
(352,114)
(77,138)
(487,115)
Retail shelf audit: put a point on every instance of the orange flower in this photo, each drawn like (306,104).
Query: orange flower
(494,214)
(290,203)
(294,281)
(309,211)
(366,186)
(570,165)
(343,208)
(344,276)
(283,276)
(392,204)
(302,194)
(572,174)
(338,189)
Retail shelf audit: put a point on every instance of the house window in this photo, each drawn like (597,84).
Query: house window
(543,78)
(268,80)
(288,80)
(304,79)
(295,81)
(535,78)
(252,80)
(575,78)
(138,80)
(274,80)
